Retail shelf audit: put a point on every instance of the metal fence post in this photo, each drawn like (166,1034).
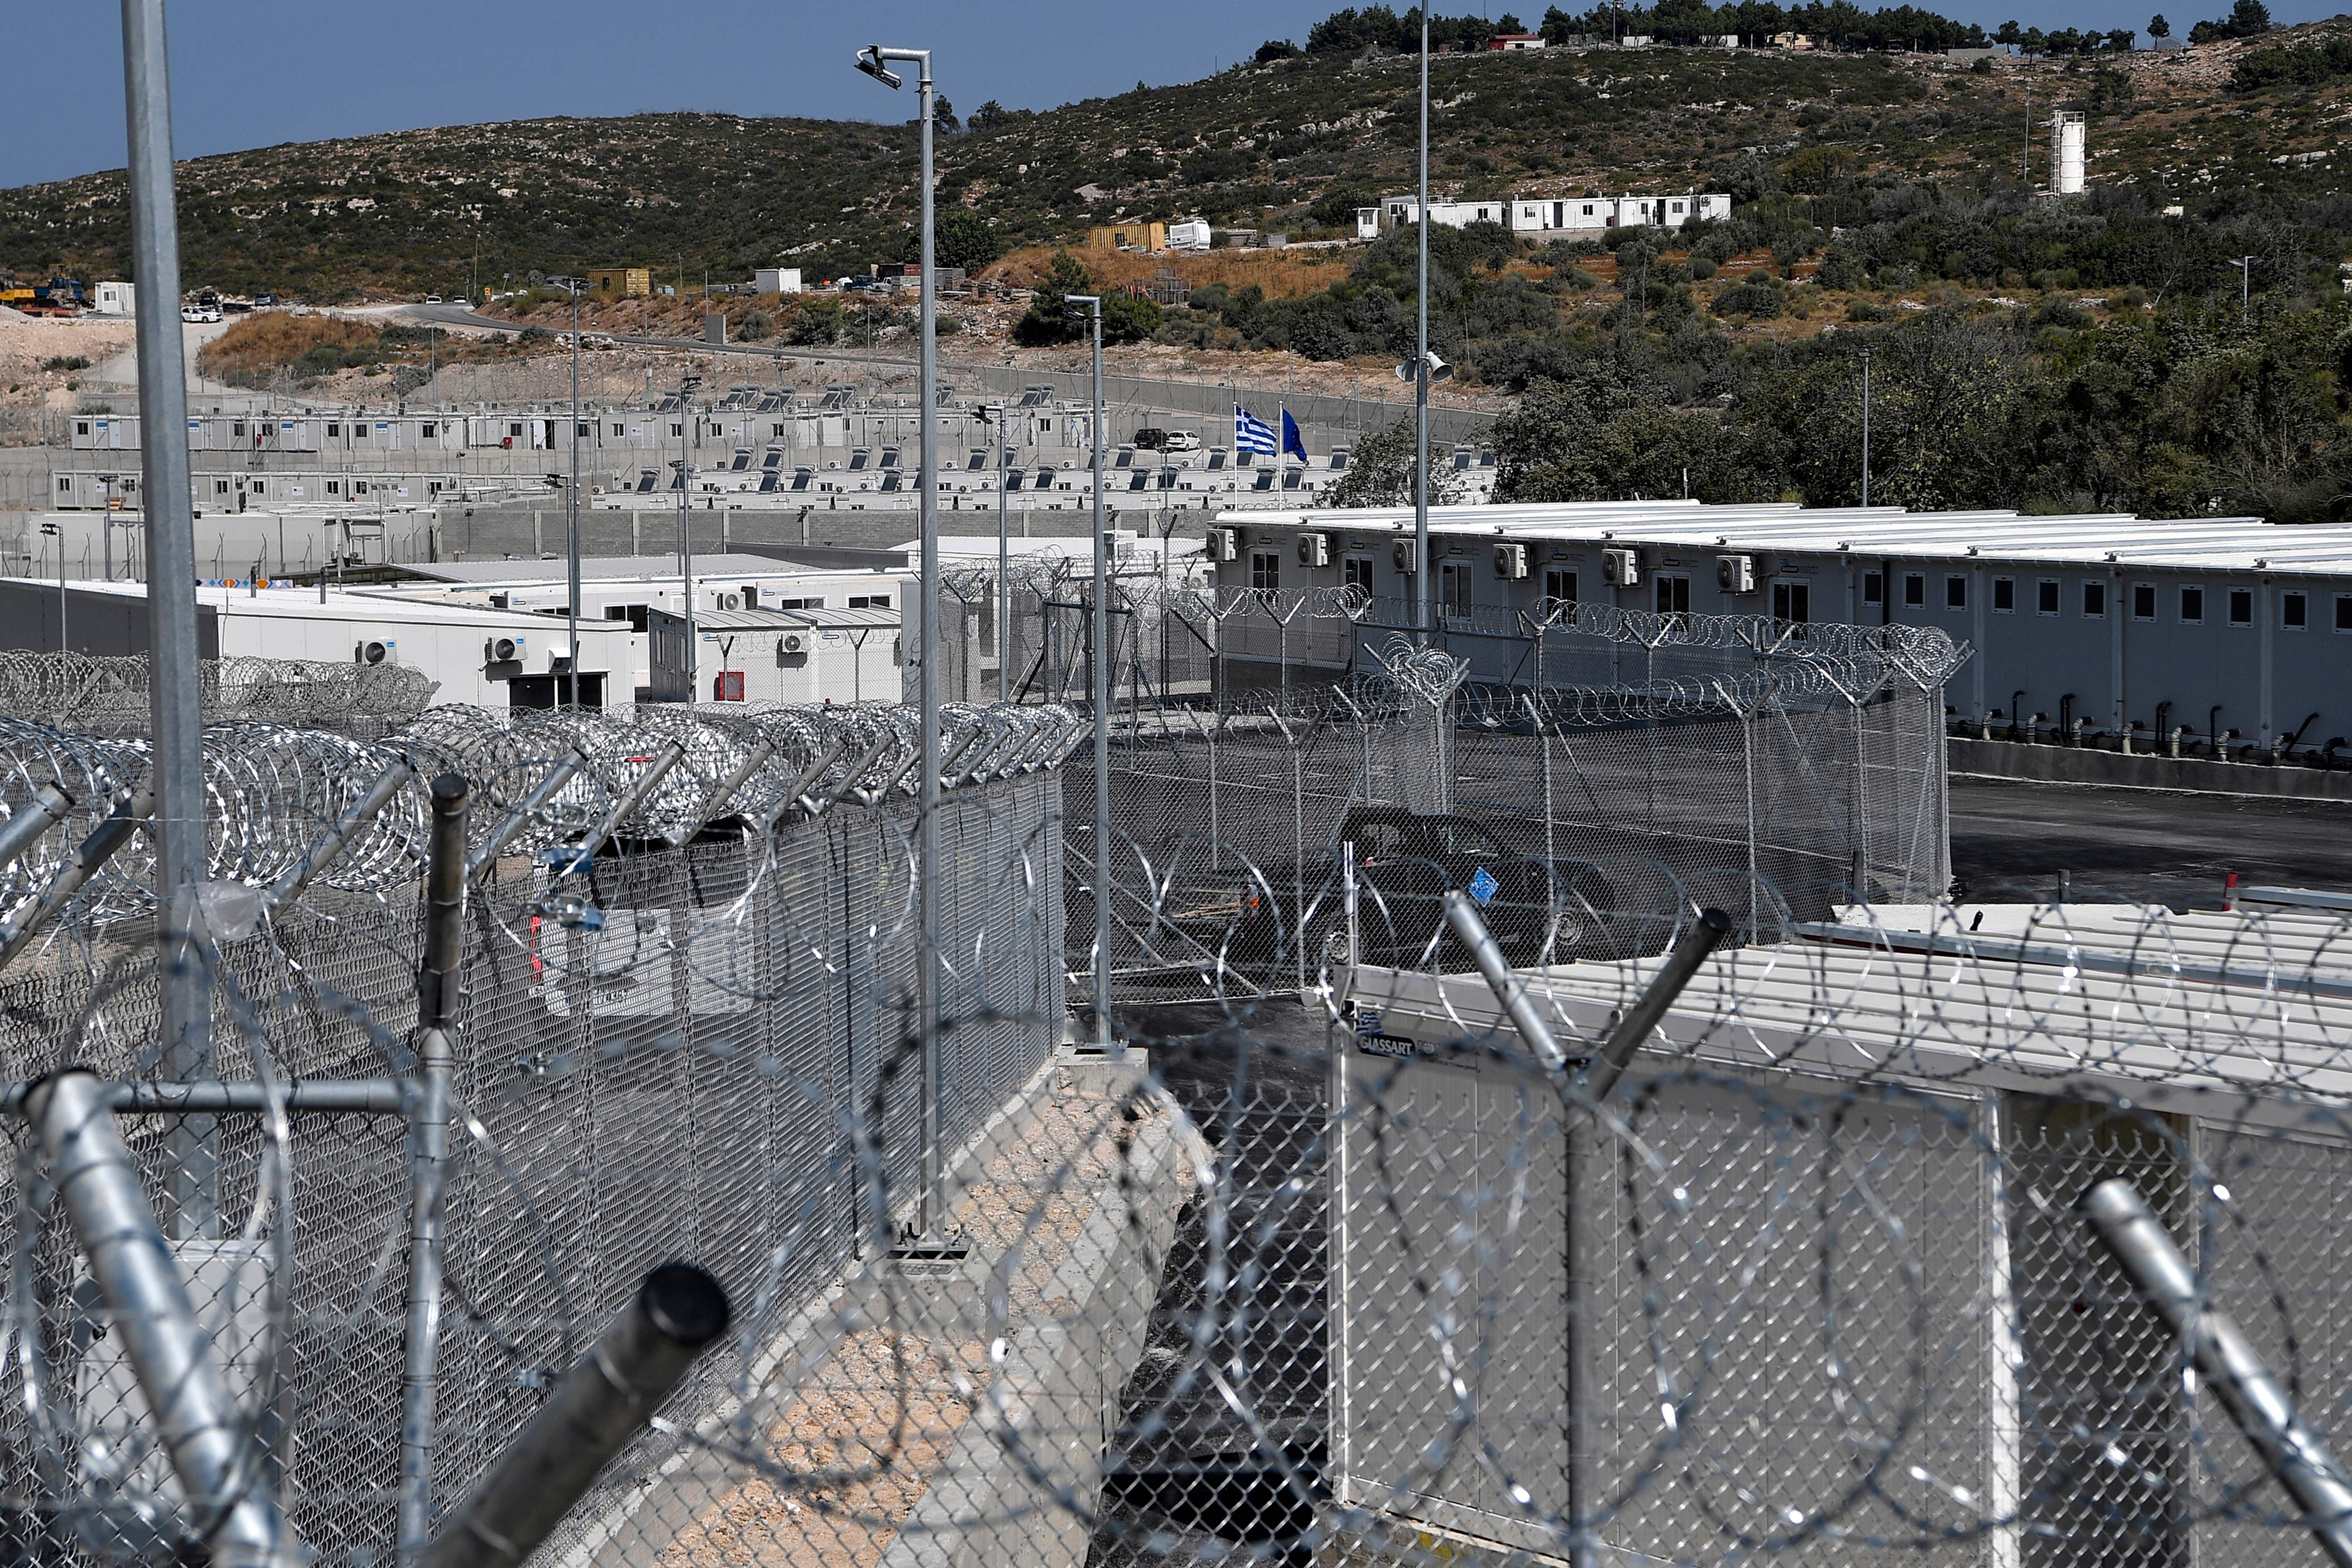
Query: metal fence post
(337,838)
(1583,1148)
(436,994)
(111,833)
(602,1402)
(2292,1449)
(36,817)
(230,1509)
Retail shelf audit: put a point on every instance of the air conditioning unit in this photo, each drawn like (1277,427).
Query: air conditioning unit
(1224,543)
(793,642)
(730,600)
(1511,562)
(371,653)
(1406,557)
(502,650)
(1622,568)
(1315,549)
(1736,573)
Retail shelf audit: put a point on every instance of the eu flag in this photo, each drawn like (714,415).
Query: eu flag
(1293,444)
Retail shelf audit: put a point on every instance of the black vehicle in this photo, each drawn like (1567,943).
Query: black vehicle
(1407,862)
(1150,438)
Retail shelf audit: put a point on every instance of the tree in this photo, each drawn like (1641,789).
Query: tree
(1381,472)
(756,325)
(1045,322)
(1820,169)
(988,116)
(1606,433)
(1335,208)
(2158,27)
(960,238)
(1276,49)
(2009,37)
(2247,20)
(1509,24)
(817,321)
(1130,317)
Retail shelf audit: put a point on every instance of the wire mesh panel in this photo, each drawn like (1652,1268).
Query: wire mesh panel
(1713,759)
(675,1044)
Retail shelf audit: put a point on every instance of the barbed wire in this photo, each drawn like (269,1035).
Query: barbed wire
(1290,1287)
(79,691)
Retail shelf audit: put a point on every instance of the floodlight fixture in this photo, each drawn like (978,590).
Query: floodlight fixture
(1438,369)
(869,60)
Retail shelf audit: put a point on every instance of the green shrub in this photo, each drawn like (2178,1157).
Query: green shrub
(1758,301)
(817,323)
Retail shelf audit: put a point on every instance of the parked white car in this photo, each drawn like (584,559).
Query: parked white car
(200,312)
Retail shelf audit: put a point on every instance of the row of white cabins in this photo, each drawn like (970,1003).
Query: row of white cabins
(1542,215)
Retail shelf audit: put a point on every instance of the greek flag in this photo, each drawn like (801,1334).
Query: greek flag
(1252,434)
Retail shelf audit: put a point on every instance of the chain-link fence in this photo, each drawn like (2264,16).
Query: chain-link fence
(1822,1285)
(1356,1258)
(683,1041)
(1724,758)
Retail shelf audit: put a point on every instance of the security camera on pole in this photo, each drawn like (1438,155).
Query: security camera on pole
(931,1236)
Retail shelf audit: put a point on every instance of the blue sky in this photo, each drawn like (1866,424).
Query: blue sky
(249,74)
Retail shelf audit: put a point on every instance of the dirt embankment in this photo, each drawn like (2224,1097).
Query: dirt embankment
(30,344)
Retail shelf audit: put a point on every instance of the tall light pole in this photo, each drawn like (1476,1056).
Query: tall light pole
(571,530)
(932,1234)
(2245,265)
(1423,616)
(687,383)
(175,713)
(995,416)
(1865,426)
(1098,657)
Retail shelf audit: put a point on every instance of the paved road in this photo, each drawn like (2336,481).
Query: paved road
(2009,840)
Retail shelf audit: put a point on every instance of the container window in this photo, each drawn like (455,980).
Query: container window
(2294,612)
(2142,601)
(1956,593)
(2094,601)
(2241,606)
(1915,589)
(2004,594)
(2192,605)
(2045,596)
(1873,587)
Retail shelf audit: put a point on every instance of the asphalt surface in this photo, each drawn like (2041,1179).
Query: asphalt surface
(2012,839)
